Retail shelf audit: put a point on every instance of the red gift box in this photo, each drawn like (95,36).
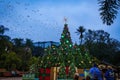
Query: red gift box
(47,78)
(48,70)
(40,77)
(41,70)
(67,70)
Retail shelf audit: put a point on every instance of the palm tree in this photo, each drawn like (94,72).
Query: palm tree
(5,43)
(108,10)
(3,29)
(80,32)
(18,42)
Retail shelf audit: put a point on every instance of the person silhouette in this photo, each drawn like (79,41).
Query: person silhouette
(109,74)
(95,73)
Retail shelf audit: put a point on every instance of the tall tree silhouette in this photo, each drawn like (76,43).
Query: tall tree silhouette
(3,29)
(108,10)
(5,44)
(80,32)
(18,42)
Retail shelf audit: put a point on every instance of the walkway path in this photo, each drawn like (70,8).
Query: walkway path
(10,78)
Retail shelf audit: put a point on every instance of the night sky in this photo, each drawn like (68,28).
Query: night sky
(43,20)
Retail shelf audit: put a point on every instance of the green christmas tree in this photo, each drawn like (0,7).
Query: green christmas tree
(87,60)
(72,70)
(62,73)
(56,58)
(46,60)
(68,59)
(78,58)
(66,42)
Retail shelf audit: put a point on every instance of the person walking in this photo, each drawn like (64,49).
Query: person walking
(76,76)
(109,75)
(95,73)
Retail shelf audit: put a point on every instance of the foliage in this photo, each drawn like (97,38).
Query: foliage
(80,32)
(5,44)
(18,42)
(108,10)
(88,60)
(68,59)
(66,53)
(3,29)
(10,60)
(62,73)
(33,60)
(38,51)
(66,42)
(100,45)
(45,61)
(72,71)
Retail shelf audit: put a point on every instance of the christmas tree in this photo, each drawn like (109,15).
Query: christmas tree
(78,58)
(62,73)
(72,70)
(87,60)
(46,59)
(57,58)
(68,59)
(66,42)
(67,53)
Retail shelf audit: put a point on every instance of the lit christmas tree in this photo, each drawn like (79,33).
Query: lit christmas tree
(72,70)
(45,61)
(66,53)
(78,58)
(68,59)
(66,42)
(62,73)
(57,58)
(87,60)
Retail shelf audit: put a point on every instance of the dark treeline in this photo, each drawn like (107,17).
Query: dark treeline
(19,53)
(100,45)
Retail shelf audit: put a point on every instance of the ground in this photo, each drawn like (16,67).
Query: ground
(10,78)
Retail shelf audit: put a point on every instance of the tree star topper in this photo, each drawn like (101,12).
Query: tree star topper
(65,19)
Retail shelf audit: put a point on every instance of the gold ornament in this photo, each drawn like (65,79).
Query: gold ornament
(45,49)
(82,62)
(68,61)
(41,61)
(90,62)
(47,57)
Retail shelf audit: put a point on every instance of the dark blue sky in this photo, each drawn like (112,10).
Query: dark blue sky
(43,20)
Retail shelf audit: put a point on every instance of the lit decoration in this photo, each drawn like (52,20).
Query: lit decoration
(41,61)
(53,46)
(70,45)
(67,41)
(62,36)
(47,57)
(66,54)
(82,62)
(68,61)
(90,62)
(45,49)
